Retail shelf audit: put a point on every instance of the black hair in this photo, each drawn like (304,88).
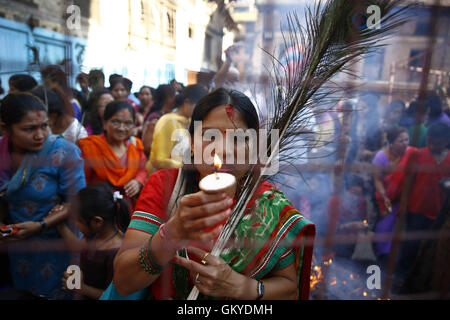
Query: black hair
(56,75)
(56,101)
(115,106)
(152,90)
(193,93)
(163,92)
(394,132)
(116,80)
(92,118)
(112,77)
(23,82)
(16,105)
(223,96)
(129,84)
(438,132)
(82,76)
(95,76)
(98,200)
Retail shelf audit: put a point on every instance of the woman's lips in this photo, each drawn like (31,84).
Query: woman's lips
(38,144)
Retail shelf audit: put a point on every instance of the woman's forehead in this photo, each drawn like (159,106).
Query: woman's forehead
(34,117)
(123,114)
(106,96)
(118,85)
(220,119)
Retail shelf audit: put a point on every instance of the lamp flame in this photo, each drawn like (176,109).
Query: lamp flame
(217,162)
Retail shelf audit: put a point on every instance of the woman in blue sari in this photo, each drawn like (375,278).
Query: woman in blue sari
(38,171)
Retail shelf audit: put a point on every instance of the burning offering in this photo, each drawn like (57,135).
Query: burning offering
(218,181)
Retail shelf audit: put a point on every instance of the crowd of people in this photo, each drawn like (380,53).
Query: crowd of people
(395,159)
(95,177)
(87,177)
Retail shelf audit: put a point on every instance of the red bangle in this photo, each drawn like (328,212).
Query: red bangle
(162,233)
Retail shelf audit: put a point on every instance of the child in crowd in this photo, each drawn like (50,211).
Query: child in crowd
(102,217)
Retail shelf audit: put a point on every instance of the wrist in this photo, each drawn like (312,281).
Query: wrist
(81,290)
(167,235)
(248,289)
(42,226)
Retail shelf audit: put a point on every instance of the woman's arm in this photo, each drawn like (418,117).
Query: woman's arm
(59,214)
(90,292)
(377,180)
(195,213)
(74,243)
(129,275)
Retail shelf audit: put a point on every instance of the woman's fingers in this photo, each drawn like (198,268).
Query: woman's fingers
(205,256)
(210,208)
(206,209)
(192,266)
(206,222)
(200,198)
(206,236)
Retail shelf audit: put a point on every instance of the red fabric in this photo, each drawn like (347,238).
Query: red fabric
(156,193)
(426,195)
(393,182)
(154,200)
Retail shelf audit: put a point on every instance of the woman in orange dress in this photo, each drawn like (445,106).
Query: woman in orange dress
(116,157)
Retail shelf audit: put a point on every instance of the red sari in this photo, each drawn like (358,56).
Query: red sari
(284,241)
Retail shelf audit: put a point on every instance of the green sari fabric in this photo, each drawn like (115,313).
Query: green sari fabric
(271,235)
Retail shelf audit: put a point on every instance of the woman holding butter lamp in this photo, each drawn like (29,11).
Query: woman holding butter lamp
(166,247)
(268,255)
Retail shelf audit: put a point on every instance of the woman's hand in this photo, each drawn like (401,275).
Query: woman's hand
(65,279)
(132,188)
(367,155)
(213,277)
(26,230)
(197,212)
(387,204)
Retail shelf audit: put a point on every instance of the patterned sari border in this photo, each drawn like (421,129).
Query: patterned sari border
(284,230)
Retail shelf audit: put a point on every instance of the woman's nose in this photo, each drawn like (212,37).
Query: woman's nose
(39,134)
